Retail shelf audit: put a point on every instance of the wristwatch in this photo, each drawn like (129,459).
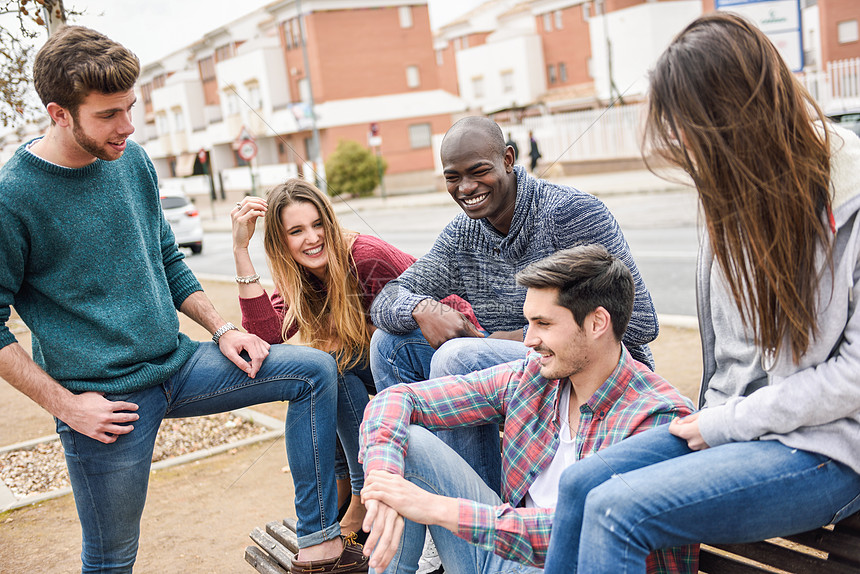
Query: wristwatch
(223,329)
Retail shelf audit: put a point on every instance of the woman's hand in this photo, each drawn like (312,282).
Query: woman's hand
(244,217)
(687,428)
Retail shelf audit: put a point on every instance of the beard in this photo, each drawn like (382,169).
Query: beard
(91,146)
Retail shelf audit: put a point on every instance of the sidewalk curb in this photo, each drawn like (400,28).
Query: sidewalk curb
(9,501)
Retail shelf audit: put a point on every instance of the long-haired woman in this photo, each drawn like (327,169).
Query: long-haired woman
(325,280)
(774,450)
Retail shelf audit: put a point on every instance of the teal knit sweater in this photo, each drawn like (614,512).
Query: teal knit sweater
(91,266)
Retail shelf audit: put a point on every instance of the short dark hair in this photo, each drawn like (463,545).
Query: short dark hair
(76,61)
(491,131)
(587,277)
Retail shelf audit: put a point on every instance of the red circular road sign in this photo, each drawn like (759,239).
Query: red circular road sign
(247,150)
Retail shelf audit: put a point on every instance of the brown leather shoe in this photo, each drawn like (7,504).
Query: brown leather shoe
(350,560)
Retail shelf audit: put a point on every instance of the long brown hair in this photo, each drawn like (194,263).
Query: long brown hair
(334,315)
(724,107)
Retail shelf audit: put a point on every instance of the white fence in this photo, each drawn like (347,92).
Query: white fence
(837,88)
(616,133)
(588,135)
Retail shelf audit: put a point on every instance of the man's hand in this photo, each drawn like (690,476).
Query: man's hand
(687,428)
(515,335)
(393,498)
(98,418)
(440,323)
(385,526)
(234,342)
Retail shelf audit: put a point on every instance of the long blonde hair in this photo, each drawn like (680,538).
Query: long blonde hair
(335,314)
(725,108)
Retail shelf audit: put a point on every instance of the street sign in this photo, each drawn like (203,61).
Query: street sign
(247,150)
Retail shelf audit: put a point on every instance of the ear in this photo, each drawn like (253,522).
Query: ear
(598,323)
(60,115)
(509,159)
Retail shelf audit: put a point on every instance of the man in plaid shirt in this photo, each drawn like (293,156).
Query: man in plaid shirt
(578,391)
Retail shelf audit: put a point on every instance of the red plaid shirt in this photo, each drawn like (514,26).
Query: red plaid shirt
(632,399)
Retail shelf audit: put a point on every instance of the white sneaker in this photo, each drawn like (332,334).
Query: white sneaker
(430,561)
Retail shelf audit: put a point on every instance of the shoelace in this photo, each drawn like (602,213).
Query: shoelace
(352,539)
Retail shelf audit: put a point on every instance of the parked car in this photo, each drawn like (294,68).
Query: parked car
(184,219)
(849,120)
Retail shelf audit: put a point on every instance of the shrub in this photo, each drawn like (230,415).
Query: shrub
(353,169)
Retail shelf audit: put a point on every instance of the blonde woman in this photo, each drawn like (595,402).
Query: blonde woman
(325,280)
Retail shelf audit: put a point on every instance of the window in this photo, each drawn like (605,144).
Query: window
(589,65)
(413,77)
(586,12)
(547,22)
(420,136)
(161,124)
(255,97)
(405,13)
(207,68)
(557,15)
(847,31)
(562,72)
(507,81)
(478,86)
(440,58)
(224,52)
(297,35)
(232,101)
(178,120)
(550,74)
(458,44)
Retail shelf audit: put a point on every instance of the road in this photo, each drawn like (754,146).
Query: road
(661,229)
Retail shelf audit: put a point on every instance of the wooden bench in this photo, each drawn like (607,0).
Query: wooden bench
(828,550)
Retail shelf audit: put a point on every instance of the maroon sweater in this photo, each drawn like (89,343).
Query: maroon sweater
(376,263)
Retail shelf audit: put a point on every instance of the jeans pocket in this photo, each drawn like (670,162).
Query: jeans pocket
(847,510)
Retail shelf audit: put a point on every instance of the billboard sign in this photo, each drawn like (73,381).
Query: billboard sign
(779,20)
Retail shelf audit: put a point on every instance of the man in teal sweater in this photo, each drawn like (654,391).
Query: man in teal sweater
(91,266)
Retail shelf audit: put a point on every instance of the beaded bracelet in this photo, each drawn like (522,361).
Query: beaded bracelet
(248,279)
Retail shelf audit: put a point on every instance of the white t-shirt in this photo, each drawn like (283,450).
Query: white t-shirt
(544,492)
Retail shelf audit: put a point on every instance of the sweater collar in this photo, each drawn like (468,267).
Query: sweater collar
(516,240)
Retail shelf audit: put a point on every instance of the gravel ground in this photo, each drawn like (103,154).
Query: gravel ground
(42,468)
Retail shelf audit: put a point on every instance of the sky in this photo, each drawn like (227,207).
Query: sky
(154,28)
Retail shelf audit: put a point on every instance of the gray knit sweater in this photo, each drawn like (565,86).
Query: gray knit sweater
(470,258)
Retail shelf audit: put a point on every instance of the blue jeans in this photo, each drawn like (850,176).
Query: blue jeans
(409,358)
(650,491)
(353,388)
(110,480)
(436,468)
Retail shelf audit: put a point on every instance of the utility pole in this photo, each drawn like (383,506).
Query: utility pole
(315,132)
(54,15)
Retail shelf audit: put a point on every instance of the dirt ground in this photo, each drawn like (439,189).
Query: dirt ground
(198,516)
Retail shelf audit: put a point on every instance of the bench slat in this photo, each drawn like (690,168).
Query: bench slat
(791,560)
(283,535)
(711,563)
(261,561)
(845,546)
(273,548)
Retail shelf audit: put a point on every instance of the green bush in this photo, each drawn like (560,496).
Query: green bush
(353,169)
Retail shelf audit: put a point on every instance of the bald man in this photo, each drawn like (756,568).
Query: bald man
(510,220)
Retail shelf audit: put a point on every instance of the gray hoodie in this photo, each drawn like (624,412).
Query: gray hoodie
(813,405)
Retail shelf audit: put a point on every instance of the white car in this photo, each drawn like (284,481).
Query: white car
(184,219)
